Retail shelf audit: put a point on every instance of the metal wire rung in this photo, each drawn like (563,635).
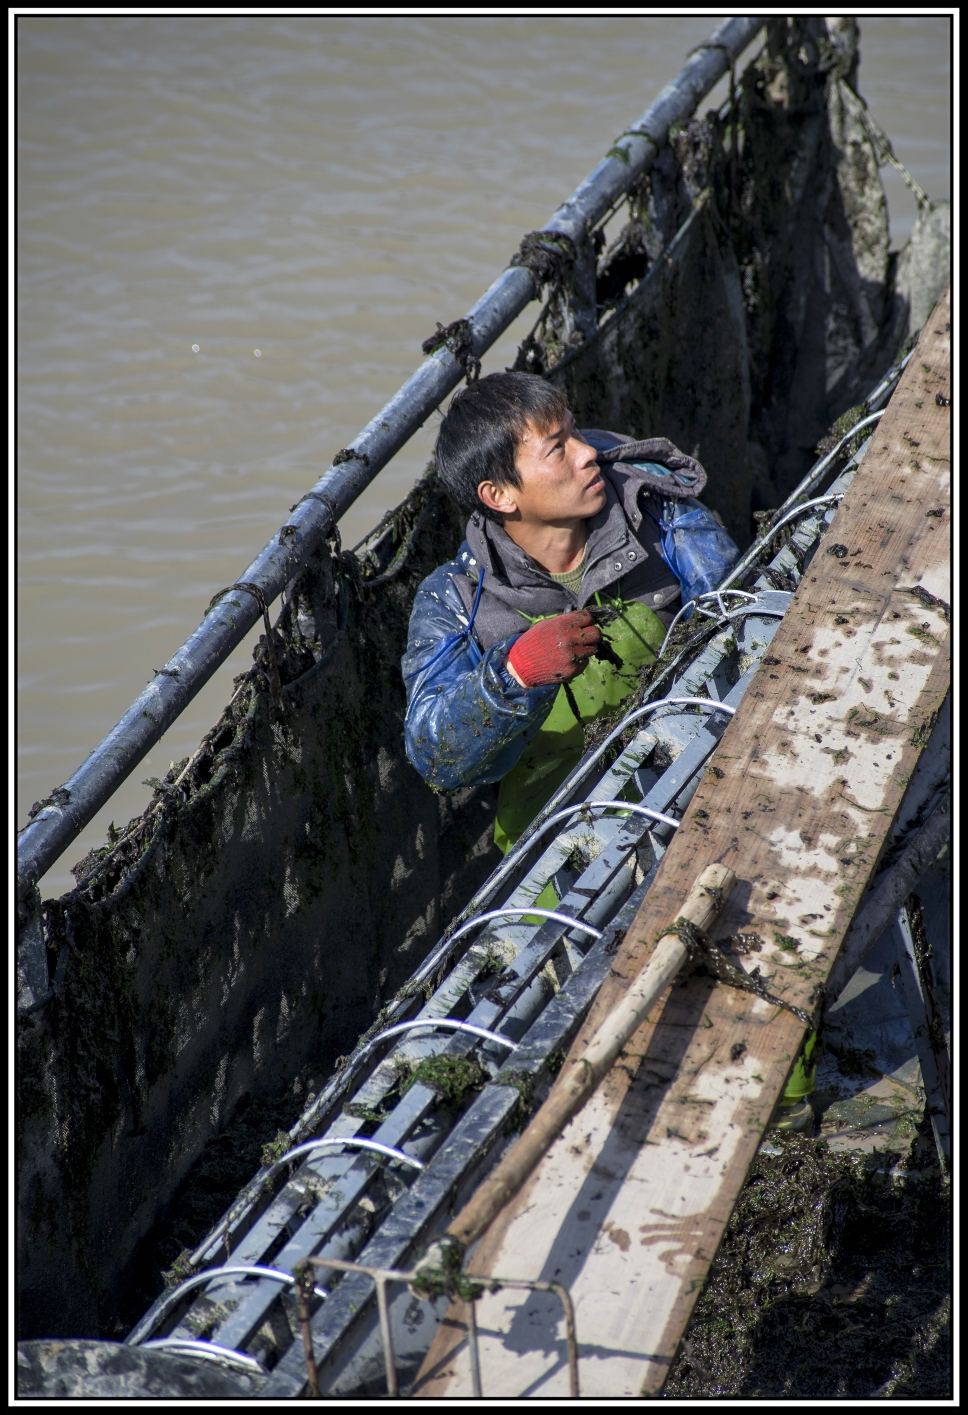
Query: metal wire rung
(348,1142)
(525,912)
(161,1309)
(208,1351)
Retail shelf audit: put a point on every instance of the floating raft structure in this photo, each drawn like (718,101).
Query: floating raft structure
(629,1205)
(802,738)
(236,938)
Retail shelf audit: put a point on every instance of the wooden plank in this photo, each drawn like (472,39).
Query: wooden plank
(628,1207)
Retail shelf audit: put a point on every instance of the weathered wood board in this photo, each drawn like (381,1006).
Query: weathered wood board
(628,1207)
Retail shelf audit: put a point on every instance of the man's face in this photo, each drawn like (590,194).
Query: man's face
(560,478)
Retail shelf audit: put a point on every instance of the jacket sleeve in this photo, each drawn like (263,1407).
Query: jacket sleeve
(467,721)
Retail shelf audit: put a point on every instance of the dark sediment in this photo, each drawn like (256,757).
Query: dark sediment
(833,1280)
(225,1166)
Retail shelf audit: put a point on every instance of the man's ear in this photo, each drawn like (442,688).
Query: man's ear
(497,498)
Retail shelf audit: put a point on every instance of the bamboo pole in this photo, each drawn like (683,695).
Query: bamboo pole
(574,1087)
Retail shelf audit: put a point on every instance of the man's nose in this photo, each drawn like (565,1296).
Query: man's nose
(586,452)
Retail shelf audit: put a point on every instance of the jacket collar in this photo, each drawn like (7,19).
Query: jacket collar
(515,579)
(667,471)
(509,568)
(611,530)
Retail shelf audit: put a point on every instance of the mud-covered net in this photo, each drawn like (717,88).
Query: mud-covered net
(833,1281)
(247,927)
(751,298)
(292,873)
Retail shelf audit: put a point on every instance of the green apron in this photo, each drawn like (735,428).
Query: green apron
(634,639)
(803,1078)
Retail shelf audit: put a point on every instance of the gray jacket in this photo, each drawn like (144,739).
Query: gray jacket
(623,554)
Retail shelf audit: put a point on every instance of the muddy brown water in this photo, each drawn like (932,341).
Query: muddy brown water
(321,190)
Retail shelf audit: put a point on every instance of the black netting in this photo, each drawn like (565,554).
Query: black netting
(247,927)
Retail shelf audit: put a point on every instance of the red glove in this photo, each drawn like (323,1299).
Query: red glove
(554,650)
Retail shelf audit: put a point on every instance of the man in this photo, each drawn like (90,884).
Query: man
(565,537)
(556,600)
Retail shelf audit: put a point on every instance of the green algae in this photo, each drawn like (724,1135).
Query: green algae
(455,1078)
(524,1083)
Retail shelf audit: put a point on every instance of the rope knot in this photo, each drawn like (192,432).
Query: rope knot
(704,956)
(458,339)
(549,255)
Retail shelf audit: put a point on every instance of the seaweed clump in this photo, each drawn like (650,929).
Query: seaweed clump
(833,1280)
(840,429)
(454,1078)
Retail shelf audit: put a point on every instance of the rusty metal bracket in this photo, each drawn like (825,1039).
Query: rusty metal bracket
(470,1289)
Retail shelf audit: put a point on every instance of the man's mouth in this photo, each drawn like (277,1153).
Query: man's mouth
(597,483)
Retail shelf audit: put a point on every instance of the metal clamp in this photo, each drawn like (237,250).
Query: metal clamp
(582,806)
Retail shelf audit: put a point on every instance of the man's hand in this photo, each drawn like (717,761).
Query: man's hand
(554,650)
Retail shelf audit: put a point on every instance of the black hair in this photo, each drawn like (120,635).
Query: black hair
(483,428)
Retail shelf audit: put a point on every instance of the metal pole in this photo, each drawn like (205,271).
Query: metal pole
(571,1331)
(879,396)
(388,1357)
(922,1016)
(473,1350)
(304,1286)
(571,1337)
(878,911)
(74,804)
(382,1276)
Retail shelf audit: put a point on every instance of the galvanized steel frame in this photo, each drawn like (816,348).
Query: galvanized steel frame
(454,1161)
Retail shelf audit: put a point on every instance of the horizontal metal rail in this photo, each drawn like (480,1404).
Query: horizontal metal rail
(381,1277)
(75,803)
